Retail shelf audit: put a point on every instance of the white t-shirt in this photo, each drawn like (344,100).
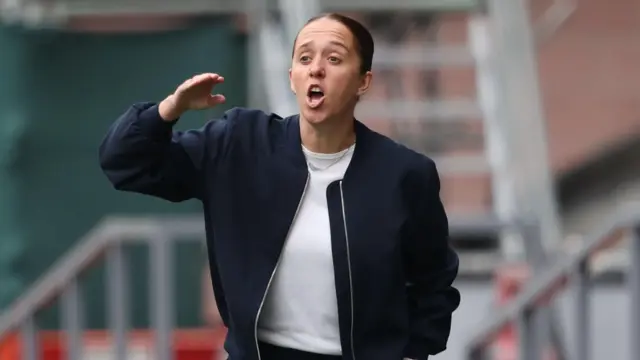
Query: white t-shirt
(300,310)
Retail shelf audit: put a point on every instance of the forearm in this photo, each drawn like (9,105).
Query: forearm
(138,154)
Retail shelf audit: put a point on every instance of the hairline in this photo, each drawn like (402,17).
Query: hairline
(337,18)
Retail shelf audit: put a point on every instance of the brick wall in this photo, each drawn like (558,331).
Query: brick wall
(590,83)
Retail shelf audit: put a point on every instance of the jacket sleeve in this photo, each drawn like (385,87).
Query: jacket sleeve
(431,264)
(141,153)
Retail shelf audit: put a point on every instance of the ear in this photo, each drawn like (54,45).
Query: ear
(291,82)
(365,83)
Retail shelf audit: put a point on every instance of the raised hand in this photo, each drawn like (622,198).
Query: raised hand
(193,94)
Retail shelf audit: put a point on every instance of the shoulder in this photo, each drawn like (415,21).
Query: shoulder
(410,162)
(252,130)
(416,173)
(420,165)
(247,122)
(243,115)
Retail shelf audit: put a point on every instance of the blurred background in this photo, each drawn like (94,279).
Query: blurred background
(531,109)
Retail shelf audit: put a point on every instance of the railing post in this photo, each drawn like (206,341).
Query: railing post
(29,337)
(161,299)
(118,300)
(582,313)
(72,317)
(634,284)
(538,259)
(530,334)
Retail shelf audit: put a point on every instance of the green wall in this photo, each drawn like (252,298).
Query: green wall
(58,94)
(12,126)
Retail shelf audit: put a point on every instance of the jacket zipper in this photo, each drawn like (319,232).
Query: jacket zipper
(346,236)
(273,273)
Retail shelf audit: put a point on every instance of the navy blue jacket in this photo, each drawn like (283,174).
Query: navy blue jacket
(393,264)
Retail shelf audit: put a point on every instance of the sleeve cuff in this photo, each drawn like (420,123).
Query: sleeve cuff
(151,123)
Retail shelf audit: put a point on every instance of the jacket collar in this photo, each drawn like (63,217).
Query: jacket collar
(365,142)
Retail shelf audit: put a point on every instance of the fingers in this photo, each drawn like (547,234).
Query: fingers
(217,99)
(195,93)
(207,78)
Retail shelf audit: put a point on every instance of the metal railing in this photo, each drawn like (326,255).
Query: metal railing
(106,242)
(537,294)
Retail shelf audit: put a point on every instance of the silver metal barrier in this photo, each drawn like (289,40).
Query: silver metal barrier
(106,242)
(536,296)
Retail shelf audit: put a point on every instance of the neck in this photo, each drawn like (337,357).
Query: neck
(329,137)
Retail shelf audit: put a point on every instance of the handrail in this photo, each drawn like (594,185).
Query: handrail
(110,231)
(117,229)
(547,284)
(106,239)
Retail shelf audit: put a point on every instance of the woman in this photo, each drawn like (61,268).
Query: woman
(326,239)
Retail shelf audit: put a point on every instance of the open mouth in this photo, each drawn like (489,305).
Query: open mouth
(315,96)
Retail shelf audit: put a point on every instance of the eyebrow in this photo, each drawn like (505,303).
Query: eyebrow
(333,42)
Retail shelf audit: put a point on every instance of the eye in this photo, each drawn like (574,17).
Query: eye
(305,59)
(334,60)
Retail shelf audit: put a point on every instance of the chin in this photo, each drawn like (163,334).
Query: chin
(314,117)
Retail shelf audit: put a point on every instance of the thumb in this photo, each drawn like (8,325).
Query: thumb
(217,99)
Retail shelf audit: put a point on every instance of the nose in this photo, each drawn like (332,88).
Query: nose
(316,70)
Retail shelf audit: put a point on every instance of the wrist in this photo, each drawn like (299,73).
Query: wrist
(169,111)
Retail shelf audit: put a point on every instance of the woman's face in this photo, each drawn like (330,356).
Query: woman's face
(325,72)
